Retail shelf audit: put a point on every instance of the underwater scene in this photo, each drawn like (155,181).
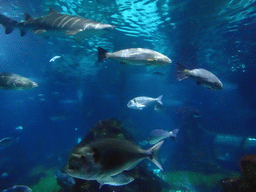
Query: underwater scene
(127,95)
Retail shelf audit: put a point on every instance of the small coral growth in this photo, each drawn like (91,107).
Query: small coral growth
(48,184)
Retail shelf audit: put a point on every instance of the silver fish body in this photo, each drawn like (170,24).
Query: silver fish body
(202,77)
(107,158)
(143,101)
(135,56)
(158,135)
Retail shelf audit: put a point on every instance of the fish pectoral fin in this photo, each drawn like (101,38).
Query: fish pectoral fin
(151,60)
(40,31)
(122,62)
(116,180)
(140,105)
(72,32)
(198,83)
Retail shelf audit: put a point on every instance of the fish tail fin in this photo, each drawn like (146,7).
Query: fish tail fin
(181,72)
(174,133)
(102,54)
(8,23)
(154,151)
(159,99)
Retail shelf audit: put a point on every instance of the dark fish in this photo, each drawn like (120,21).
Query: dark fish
(55,23)
(135,56)
(12,81)
(64,180)
(18,188)
(104,160)
(202,77)
(160,134)
(7,141)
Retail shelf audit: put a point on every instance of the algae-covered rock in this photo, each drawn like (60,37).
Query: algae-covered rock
(48,184)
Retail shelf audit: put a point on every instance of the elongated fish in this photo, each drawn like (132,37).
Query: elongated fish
(105,160)
(135,56)
(55,23)
(202,77)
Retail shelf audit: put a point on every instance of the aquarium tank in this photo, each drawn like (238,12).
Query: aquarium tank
(127,95)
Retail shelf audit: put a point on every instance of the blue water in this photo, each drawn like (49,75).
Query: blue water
(76,92)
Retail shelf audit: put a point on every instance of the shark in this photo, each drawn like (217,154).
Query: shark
(56,24)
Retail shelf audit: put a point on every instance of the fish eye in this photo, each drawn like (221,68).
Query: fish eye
(134,101)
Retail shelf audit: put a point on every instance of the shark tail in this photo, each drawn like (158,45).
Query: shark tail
(102,54)
(182,72)
(153,154)
(9,25)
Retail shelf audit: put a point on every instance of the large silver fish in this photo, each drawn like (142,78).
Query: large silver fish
(55,23)
(135,56)
(12,81)
(202,77)
(105,160)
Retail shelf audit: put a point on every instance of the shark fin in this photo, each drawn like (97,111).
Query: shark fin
(22,32)
(8,24)
(8,30)
(40,31)
(27,17)
(52,11)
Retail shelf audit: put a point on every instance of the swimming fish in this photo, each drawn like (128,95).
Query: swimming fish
(104,160)
(55,23)
(135,56)
(202,77)
(18,188)
(12,81)
(143,101)
(19,128)
(160,134)
(54,58)
(7,141)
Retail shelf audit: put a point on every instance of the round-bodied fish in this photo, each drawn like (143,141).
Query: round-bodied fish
(202,77)
(11,81)
(7,141)
(143,101)
(104,160)
(135,56)
(159,134)
(18,188)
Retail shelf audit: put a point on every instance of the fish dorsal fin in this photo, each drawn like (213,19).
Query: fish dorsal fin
(53,11)
(27,17)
